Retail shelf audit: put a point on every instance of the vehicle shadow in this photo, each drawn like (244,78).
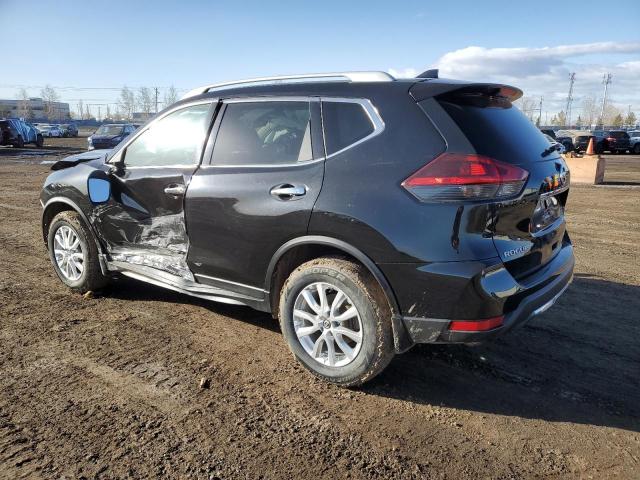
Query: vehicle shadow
(578,362)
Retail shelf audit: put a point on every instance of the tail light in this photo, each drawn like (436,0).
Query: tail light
(611,139)
(476,325)
(457,176)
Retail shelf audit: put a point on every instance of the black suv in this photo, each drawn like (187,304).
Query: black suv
(366,213)
(614,141)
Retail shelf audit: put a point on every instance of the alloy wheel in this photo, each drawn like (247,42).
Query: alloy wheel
(327,324)
(68,253)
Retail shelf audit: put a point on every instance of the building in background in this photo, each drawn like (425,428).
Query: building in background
(35,109)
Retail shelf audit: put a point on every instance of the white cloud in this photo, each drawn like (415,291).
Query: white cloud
(545,71)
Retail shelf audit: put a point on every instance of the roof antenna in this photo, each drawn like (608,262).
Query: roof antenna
(432,73)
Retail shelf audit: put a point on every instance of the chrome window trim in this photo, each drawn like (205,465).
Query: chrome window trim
(372,113)
(146,127)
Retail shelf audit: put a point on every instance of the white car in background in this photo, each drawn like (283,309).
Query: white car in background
(49,130)
(634,141)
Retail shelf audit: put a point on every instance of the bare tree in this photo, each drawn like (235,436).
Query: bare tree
(145,101)
(24,105)
(617,121)
(127,102)
(630,119)
(170,96)
(49,98)
(589,110)
(529,107)
(611,112)
(81,109)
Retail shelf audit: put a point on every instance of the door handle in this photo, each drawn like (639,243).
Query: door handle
(288,191)
(175,190)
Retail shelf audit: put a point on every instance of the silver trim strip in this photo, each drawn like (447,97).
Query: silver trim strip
(372,112)
(339,76)
(222,280)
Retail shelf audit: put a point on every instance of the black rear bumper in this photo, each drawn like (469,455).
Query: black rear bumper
(524,300)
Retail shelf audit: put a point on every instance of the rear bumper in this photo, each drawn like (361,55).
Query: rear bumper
(522,300)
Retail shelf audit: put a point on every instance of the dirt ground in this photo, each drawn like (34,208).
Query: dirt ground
(108,387)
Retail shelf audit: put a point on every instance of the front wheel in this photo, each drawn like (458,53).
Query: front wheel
(39,141)
(74,253)
(337,321)
(19,142)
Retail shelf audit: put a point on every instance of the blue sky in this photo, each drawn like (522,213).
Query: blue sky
(182,43)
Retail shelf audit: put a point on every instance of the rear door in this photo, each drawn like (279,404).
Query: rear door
(258,191)
(143,222)
(527,232)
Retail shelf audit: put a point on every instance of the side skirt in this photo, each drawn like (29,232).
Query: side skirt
(259,301)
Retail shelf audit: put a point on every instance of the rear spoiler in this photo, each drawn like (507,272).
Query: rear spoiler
(455,88)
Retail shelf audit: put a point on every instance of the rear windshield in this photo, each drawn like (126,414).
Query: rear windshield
(619,135)
(109,130)
(4,124)
(499,130)
(583,137)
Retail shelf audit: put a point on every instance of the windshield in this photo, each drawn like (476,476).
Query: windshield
(109,130)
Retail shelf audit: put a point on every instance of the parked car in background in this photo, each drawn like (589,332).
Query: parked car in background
(634,141)
(581,143)
(49,130)
(558,146)
(359,209)
(69,130)
(614,141)
(17,133)
(567,142)
(109,135)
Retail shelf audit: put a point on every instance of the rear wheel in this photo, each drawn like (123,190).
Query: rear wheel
(19,142)
(39,141)
(337,321)
(636,148)
(74,254)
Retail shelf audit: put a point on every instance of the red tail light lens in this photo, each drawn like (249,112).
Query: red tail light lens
(611,139)
(476,325)
(456,176)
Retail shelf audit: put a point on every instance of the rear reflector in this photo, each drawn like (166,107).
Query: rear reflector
(476,325)
(456,176)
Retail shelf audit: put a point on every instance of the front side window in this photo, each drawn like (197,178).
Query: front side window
(264,133)
(176,139)
(345,123)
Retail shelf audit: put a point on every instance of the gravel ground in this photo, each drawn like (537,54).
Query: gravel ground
(108,387)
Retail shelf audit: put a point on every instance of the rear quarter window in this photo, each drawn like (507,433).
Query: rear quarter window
(345,123)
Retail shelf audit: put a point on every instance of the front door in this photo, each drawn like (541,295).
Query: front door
(143,222)
(257,192)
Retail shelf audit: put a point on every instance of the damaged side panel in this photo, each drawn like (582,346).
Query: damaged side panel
(143,225)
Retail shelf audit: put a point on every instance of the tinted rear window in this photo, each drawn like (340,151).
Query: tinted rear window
(501,132)
(345,123)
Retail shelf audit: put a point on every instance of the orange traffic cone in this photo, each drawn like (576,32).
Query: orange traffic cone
(590,150)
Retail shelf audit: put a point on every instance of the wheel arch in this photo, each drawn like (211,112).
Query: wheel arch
(317,245)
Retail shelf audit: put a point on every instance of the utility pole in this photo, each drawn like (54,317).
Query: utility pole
(99,107)
(572,77)
(540,112)
(606,80)
(156,90)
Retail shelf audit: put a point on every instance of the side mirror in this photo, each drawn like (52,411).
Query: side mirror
(99,187)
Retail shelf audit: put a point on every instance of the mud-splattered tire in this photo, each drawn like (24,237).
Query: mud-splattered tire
(354,362)
(85,253)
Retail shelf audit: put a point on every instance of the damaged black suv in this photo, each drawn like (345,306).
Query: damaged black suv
(367,213)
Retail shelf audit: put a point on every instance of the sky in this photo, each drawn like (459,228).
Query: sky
(89,49)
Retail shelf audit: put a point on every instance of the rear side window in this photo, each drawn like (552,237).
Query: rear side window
(345,123)
(499,130)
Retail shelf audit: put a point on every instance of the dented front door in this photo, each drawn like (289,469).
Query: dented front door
(143,223)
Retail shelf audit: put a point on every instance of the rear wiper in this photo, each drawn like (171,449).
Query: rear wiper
(552,148)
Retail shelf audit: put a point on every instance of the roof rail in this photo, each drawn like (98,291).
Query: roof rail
(338,77)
